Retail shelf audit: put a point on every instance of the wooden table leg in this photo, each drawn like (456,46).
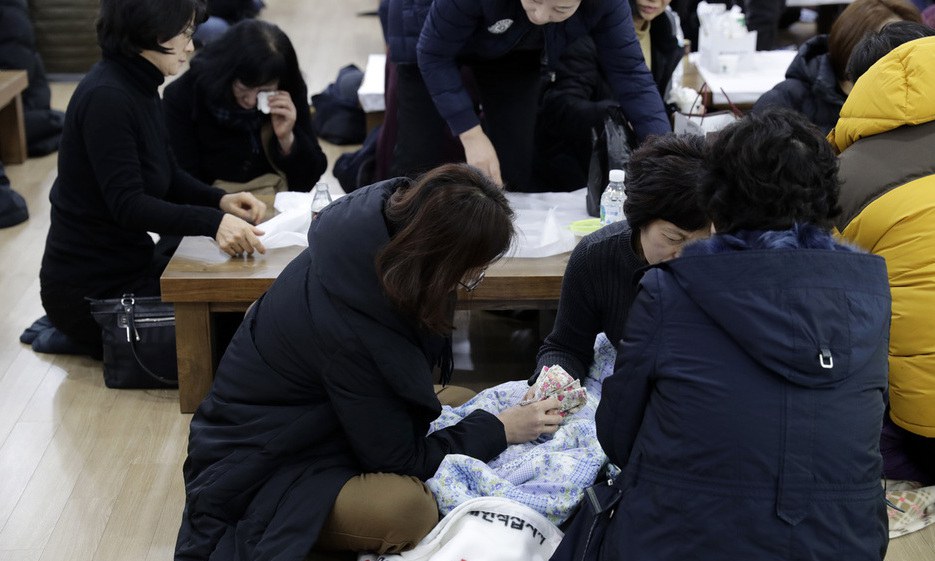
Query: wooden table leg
(13,132)
(193,345)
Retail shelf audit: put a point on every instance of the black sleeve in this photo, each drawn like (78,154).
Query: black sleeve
(789,93)
(178,100)
(625,394)
(574,99)
(110,134)
(578,321)
(306,163)
(384,429)
(189,190)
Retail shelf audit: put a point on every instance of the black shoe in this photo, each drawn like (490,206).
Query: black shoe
(33,331)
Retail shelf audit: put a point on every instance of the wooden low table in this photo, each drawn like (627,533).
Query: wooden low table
(201,280)
(12,123)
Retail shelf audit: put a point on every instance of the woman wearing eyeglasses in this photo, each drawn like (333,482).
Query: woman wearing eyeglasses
(118,179)
(314,433)
(217,126)
(600,283)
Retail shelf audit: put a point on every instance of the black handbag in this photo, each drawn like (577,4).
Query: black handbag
(584,535)
(611,150)
(139,342)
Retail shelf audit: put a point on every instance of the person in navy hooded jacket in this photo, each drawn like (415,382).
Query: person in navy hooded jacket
(502,42)
(748,396)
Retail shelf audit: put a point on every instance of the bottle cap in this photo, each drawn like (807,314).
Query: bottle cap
(618,175)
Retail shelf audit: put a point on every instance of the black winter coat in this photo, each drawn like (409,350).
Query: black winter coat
(323,380)
(576,98)
(810,87)
(747,402)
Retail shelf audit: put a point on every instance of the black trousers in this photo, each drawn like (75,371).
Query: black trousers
(507,91)
(68,307)
(763,17)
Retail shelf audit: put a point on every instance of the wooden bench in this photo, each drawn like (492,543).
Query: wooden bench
(12,125)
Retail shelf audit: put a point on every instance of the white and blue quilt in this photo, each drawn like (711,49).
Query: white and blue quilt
(548,475)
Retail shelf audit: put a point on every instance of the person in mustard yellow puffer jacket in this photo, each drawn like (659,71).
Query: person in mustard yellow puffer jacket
(885,136)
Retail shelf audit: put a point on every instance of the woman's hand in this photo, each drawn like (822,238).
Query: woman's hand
(523,423)
(237,237)
(244,206)
(282,114)
(480,153)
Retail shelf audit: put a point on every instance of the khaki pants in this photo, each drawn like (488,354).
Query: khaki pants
(383,512)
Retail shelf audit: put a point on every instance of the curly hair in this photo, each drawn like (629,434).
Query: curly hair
(768,171)
(451,221)
(662,180)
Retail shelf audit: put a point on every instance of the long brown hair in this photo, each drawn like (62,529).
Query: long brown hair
(451,221)
(858,19)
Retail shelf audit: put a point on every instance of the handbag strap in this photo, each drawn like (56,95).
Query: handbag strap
(129,307)
(706,89)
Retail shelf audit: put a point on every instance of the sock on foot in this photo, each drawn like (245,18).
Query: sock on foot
(53,341)
(33,331)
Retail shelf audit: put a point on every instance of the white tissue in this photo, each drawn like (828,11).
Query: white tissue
(289,227)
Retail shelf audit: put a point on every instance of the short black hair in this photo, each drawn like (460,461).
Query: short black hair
(255,52)
(768,171)
(128,27)
(662,180)
(876,45)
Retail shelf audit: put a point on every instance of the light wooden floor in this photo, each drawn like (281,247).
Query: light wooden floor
(88,473)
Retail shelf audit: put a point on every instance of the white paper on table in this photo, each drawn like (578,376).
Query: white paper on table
(203,249)
(542,222)
(768,68)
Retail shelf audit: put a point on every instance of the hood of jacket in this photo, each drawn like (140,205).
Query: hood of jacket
(804,307)
(812,66)
(343,242)
(894,92)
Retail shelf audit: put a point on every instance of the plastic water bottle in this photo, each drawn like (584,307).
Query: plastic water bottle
(321,199)
(612,199)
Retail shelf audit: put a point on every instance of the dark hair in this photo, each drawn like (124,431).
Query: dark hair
(451,221)
(768,171)
(876,45)
(662,180)
(255,52)
(858,19)
(128,27)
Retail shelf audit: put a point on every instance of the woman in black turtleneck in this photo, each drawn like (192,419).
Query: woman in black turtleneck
(118,180)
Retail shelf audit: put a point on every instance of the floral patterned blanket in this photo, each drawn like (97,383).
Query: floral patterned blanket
(548,475)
